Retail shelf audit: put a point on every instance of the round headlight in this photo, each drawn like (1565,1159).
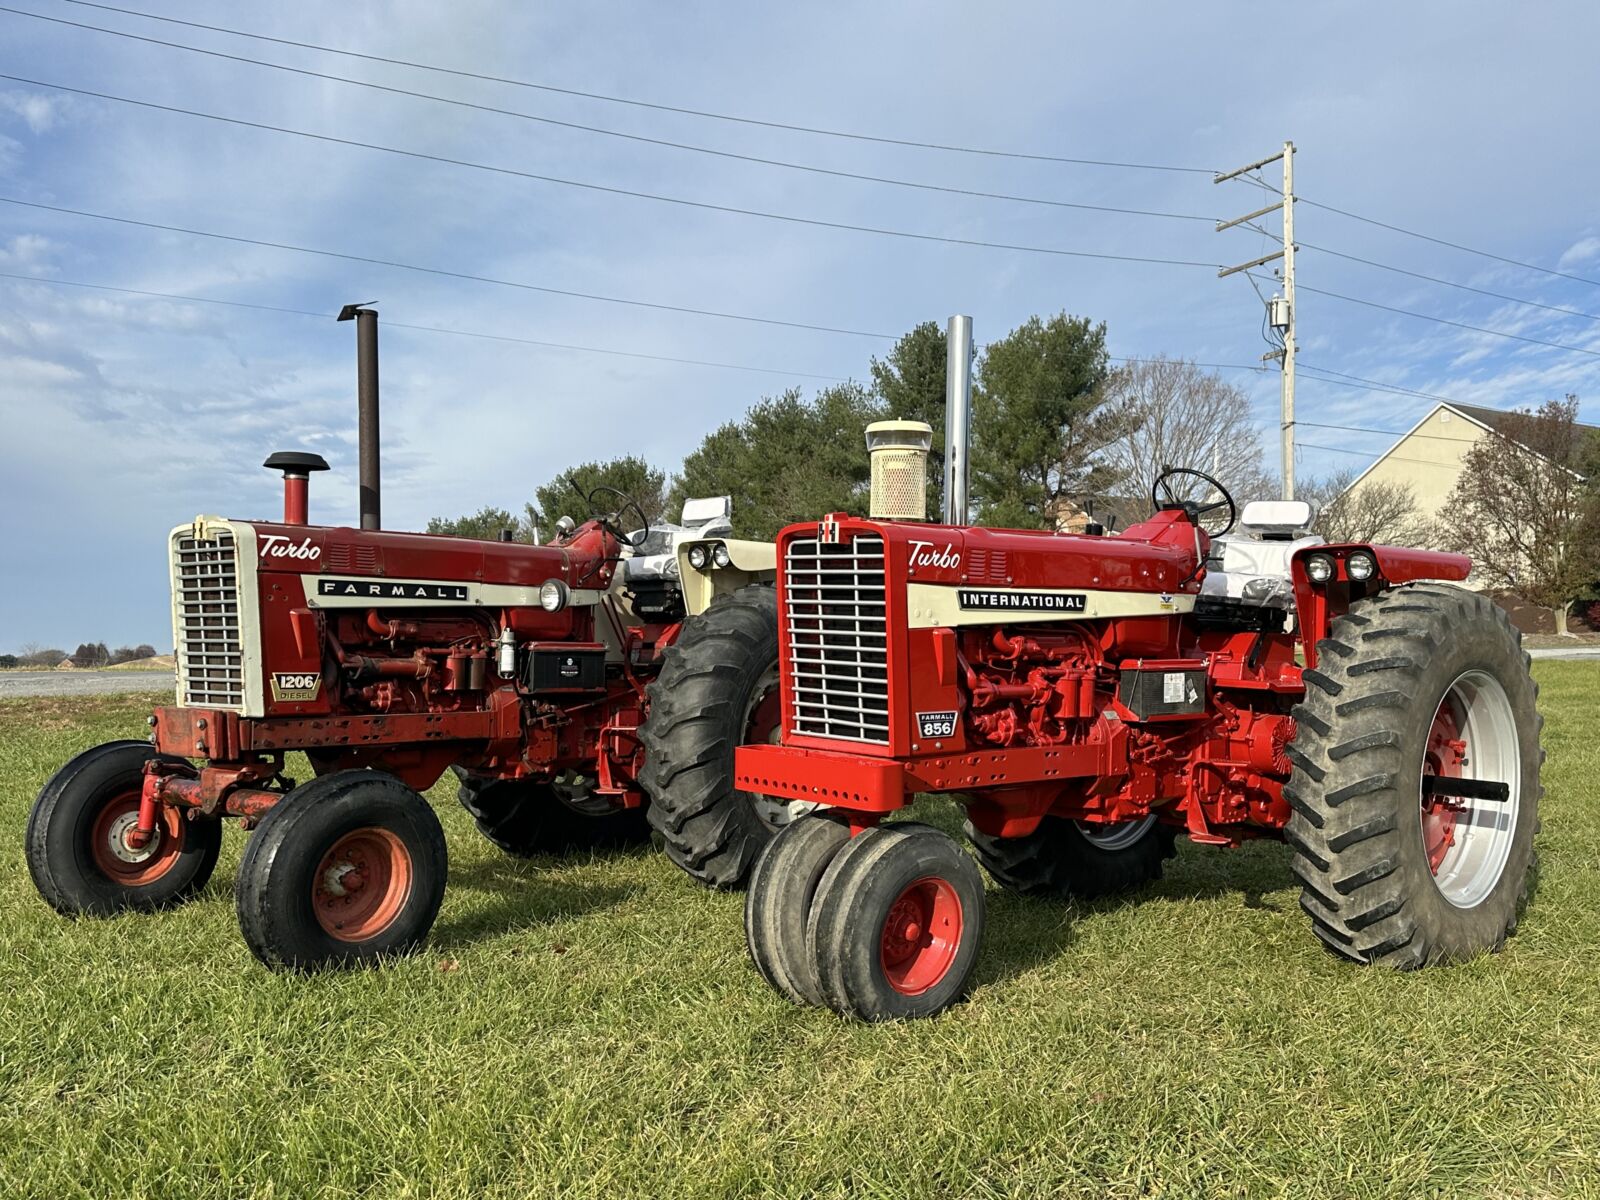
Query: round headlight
(697,557)
(553,595)
(1361,565)
(1319,568)
(720,556)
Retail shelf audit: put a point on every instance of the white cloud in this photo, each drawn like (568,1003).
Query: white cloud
(39,111)
(25,251)
(1583,250)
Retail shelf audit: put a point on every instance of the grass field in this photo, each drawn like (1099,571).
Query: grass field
(593,1028)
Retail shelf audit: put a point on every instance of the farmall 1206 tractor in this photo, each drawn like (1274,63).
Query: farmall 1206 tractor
(389,658)
(1091,698)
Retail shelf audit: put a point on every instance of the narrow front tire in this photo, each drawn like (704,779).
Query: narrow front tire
(343,871)
(77,842)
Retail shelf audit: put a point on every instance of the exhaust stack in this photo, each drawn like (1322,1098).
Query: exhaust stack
(957,418)
(366,320)
(296,466)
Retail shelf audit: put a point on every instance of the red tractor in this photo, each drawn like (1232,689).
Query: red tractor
(389,658)
(1091,698)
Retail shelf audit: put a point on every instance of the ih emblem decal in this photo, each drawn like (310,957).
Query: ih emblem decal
(292,686)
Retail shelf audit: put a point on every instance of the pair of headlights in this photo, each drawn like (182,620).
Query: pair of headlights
(716,554)
(1358,565)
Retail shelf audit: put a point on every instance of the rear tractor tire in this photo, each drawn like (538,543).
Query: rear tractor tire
(1415,791)
(524,818)
(77,839)
(1077,859)
(343,871)
(717,690)
(885,925)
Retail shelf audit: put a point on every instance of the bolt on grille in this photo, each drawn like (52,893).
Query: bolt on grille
(205,594)
(838,680)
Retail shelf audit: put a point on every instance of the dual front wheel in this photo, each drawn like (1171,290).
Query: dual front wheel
(880,926)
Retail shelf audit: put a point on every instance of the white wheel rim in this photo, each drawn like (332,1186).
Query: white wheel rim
(1485,830)
(1115,837)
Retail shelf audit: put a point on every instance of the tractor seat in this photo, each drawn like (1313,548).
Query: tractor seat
(657,558)
(1252,566)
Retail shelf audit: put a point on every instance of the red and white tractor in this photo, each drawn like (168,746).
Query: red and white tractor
(1091,698)
(388,658)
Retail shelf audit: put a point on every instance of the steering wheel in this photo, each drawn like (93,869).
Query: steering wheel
(1163,488)
(613,519)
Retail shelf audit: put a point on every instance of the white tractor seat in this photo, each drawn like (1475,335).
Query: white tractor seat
(1252,566)
(658,557)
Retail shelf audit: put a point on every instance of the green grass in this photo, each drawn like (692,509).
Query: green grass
(593,1028)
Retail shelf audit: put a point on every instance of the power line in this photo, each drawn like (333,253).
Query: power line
(1406,312)
(1369,454)
(1379,385)
(1555,308)
(797,128)
(615,191)
(692,112)
(633,137)
(387,324)
(1429,238)
(1394,433)
(439,271)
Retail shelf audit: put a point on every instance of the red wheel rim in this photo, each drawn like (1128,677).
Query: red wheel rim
(765,717)
(361,885)
(1445,755)
(920,935)
(120,862)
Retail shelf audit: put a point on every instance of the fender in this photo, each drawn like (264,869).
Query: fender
(1317,604)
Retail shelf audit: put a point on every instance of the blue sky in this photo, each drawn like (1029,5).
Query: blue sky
(121,416)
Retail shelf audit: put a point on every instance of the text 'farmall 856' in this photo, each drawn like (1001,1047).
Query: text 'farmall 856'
(388,658)
(1092,697)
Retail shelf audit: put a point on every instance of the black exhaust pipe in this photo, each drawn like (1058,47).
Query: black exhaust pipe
(366,320)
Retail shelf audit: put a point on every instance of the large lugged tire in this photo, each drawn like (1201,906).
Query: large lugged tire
(1414,684)
(75,842)
(344,870)
(717,690)
(1066,858)
(525,818)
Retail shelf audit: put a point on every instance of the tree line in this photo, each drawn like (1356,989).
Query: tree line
(1057,430)
(1055,427)
(88,654)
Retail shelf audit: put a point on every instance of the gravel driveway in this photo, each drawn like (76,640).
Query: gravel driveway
(82,683)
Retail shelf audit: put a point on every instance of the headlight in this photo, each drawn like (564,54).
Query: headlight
(720,556)
(1361,565)
(1319,568)
(553,595)
(697,557)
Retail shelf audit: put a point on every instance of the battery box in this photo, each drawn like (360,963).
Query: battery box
(1152,690)
(552,667)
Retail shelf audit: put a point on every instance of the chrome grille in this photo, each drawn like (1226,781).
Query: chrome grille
(838,678)
(205,596)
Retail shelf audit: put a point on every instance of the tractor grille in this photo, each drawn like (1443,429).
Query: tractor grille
(838,678)
(205,597)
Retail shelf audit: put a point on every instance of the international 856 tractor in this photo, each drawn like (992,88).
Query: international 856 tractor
(388,658)
(1090,698)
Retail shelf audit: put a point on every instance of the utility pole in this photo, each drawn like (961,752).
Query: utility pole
(1281,310)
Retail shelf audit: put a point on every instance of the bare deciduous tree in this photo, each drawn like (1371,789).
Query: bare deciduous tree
(1172,413)
(1376,511)
(1524,511)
